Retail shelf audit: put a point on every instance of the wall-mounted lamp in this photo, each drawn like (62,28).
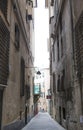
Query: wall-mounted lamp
(37,72)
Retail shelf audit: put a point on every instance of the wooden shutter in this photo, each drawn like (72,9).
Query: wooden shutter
(79,46)
(3,7)
(4,52)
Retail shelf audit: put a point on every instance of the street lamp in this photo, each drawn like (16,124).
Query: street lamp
(37,72)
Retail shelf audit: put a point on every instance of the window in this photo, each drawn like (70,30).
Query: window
(60,22)
(4,52)
(22,77)
(52,2)
(28,88)
(3,7)
(17,36)
(54,88)
(34,3)
(64,113)
(27,91)
(79,52)
(60,121)
(53,52)
(61,46)
(29,10)
(61,28)
(57,48)
(63,80)
(58,83)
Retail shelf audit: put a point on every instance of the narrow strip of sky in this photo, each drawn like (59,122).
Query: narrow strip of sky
(41,35)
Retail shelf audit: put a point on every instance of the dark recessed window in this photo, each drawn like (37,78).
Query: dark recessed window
(53,52)
(27,91)
(22,77)
(61,46)
(54,83)
(63,80)
(3,7)
(58,83)
(17,36)
(57,48)
(52,2)
(64,113)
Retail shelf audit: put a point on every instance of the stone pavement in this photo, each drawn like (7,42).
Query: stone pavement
(43,121)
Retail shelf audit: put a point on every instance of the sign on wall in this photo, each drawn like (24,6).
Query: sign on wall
(36,89)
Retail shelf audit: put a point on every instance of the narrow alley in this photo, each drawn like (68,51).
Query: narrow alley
(41,64)
(43,121)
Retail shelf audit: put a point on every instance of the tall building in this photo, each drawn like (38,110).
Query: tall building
(66,62)
(16,58)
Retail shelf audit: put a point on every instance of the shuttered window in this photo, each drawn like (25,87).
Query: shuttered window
(4,52)
(79,52)
(3,7)
(79,45)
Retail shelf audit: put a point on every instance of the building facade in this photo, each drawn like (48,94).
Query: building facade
(42,90)
(66,61)
(16,57)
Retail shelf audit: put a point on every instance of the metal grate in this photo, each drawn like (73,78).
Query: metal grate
(4,52)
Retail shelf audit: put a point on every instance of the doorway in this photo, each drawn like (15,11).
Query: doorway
(60,115)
